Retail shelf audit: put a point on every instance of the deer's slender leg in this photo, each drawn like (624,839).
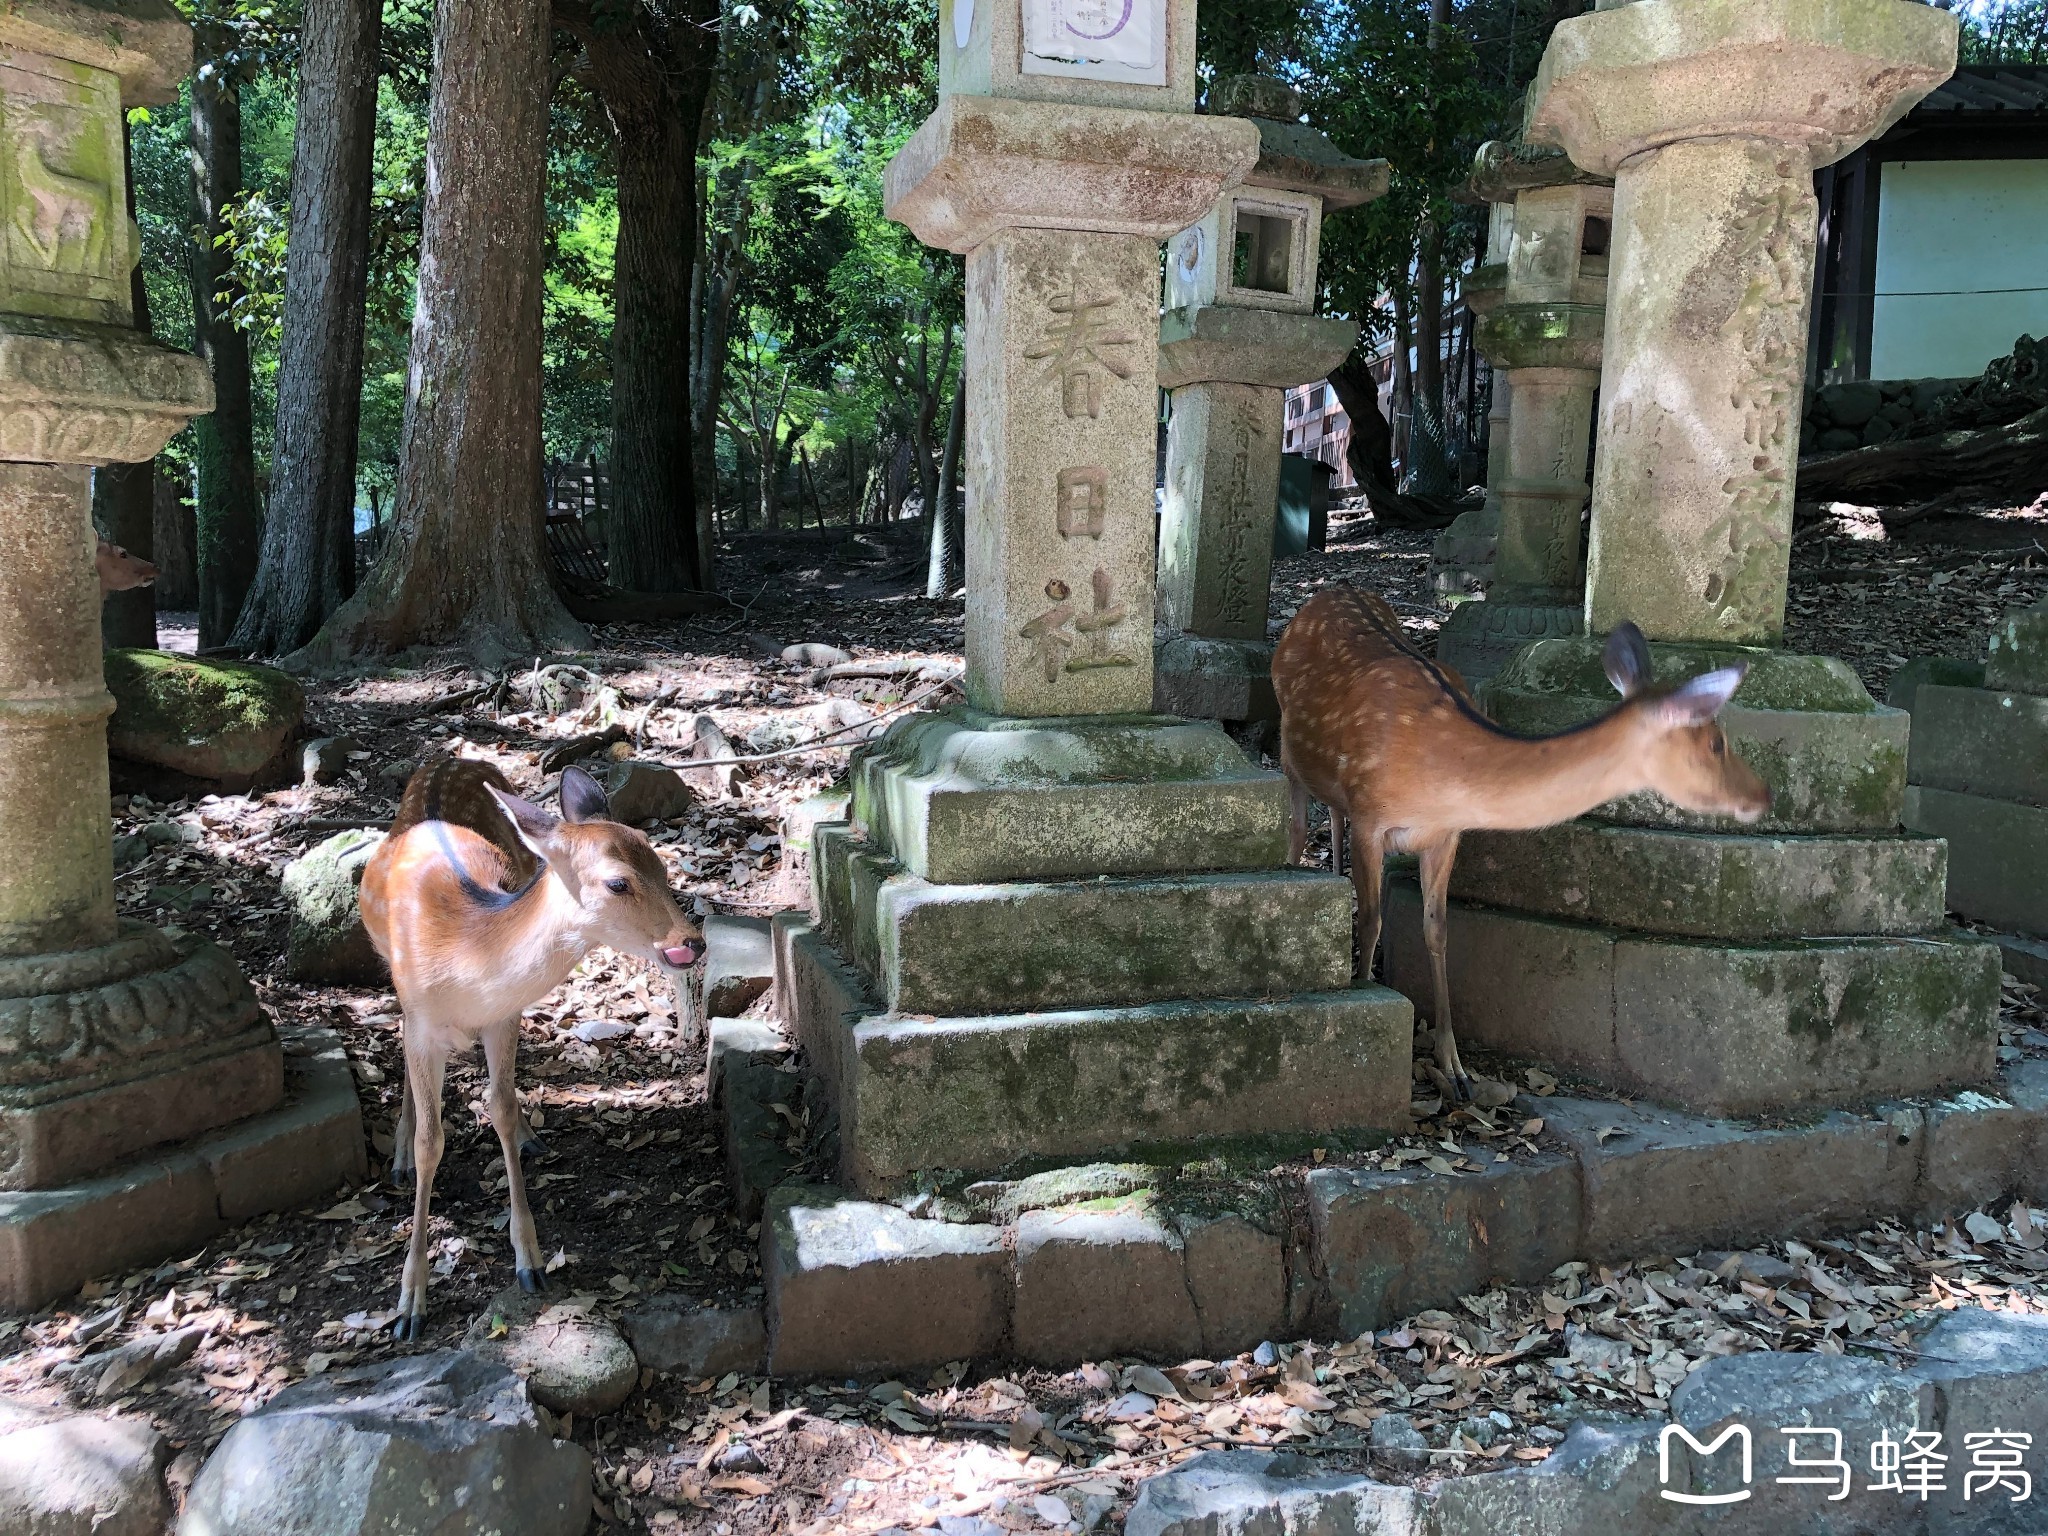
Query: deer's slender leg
(1437,859)
(401,1134)
(501,1052)
(1368,858)
(426,1060)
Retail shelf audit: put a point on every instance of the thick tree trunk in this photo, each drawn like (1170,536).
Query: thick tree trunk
(230,513)
(464,563)
(654,536)
(1371,454)
(175,546)
(122,506)
(1428,384)
(946,537)
(651,65)
(308,567)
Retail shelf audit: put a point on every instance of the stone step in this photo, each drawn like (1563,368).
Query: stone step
(1997,854)
(173,1201)
(1027,945)
(1740,1026)
(964,797)
(1974,741)
(1714,884)
(1835,760)
(984,1093)
(1171,1271)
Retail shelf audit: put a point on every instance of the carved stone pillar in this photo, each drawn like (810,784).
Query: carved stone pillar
(114,1038)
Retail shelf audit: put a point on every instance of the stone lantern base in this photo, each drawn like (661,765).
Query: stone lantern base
(1051,939)
(1805,961)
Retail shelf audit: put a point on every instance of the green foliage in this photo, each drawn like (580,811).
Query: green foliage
(2002,31)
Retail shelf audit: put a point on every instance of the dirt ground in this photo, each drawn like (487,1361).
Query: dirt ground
(630,1198)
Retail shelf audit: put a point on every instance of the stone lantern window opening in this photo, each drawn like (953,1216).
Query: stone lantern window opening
(1262,250)
(1596,235)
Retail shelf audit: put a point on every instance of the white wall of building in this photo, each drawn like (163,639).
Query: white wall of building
(1948,233)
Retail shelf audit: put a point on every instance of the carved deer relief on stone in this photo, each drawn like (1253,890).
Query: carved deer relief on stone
(65,242)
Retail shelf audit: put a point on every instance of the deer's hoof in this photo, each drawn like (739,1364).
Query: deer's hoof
(533,1279)
(409,1327)
(532,1148)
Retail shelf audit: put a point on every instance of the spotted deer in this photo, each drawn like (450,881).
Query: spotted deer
(1392,742)
(481,903)
(120,571)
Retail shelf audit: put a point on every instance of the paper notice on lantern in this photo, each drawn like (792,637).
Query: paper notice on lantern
(1096,39)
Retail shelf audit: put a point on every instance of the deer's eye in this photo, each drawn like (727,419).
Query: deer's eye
(1719,745)
(618,886)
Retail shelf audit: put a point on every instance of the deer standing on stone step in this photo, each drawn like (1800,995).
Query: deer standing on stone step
(482,903)
(1391,741)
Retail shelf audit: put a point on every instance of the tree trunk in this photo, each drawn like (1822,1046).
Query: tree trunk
(1428,384)
(230,514)
(308,567)
(946,538)
(1371,456)
(652,73)
(1401,405)
(464,563)
(175,547)
(123,508)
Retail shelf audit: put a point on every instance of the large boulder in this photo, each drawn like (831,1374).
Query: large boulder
(219,720)
(79,1474)
(327,940)
(573,1362)
(443,1443)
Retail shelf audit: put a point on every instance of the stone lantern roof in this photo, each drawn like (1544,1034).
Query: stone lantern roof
(1293,156)
(144,42)
(1504,167)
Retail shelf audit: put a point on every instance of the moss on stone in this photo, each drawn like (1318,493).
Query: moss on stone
(212,719)
(1572,669)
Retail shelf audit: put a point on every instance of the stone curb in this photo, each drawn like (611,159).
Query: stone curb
(1980,1370)
(855,1285)
(52,1240)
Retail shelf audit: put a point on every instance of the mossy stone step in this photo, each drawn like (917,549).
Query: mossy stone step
(1023,945)
(1834,758)
(1979,741)
(964,797)
(1997,854)
(1709,884)
(1717,1026)
(983,1094)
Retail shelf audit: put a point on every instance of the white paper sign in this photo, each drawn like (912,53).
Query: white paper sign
(1098,39)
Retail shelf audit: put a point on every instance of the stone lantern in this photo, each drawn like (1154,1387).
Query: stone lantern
(114,1037)
(1461,558)
(1542,337)
(1051,923)
(1803,961)
(1239,331)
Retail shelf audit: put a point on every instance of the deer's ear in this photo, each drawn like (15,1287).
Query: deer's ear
(583,798)
(1627,659)
(1698,700)
(536,828)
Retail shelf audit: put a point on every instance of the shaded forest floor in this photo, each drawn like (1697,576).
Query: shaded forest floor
(631,1199)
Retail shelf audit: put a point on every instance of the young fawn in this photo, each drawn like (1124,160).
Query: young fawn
(481,903)
(120,571)
(1392,743)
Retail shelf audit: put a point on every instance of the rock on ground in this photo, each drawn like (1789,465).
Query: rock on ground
(441,1444)
(641,792)
(218,720)
(573,1362)
(697,1341)
(739,964)
(1253,1493)
(79,1474)
(327,940)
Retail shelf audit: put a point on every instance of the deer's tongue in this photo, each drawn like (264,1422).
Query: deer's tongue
(682,956)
